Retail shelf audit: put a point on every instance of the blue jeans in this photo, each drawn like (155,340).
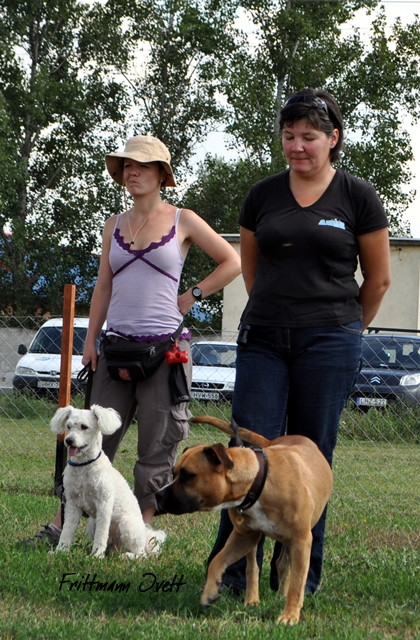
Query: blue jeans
(294,380)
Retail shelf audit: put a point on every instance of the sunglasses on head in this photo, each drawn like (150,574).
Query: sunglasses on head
(311,101)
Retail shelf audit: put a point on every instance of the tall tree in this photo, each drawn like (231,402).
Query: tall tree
(300,43)
(183,50)
(58,109)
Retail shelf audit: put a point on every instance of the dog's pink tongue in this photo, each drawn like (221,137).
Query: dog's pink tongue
(72,451)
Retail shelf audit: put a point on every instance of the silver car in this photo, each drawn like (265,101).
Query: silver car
(214,369)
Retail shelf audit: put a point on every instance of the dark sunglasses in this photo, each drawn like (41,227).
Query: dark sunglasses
(311,101)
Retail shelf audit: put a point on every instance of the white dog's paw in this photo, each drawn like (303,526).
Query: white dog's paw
(154,540)
(98,553)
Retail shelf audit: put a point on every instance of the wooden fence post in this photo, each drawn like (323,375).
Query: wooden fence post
(64,393)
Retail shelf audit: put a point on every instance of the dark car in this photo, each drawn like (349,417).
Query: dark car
(390,371)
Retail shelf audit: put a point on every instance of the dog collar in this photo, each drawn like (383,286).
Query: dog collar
(83,464)
(258,484)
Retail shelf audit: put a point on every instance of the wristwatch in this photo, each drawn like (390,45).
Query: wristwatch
(197,293)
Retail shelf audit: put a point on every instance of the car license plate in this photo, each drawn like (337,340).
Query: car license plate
(48,384)
(205,395)
(371,402)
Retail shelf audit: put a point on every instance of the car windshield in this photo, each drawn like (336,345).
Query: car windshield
(214,355)
(48,340)
(391,353)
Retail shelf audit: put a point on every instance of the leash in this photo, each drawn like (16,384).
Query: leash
(238,441)
(86,375)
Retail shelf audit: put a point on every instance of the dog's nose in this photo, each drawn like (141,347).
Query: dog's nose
(68,442)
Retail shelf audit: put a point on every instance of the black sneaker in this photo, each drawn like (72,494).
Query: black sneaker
(46,537)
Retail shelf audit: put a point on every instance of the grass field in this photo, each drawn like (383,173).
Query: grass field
(370,590)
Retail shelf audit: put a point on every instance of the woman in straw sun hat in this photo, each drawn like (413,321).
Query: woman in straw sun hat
(142,149)
(136,293)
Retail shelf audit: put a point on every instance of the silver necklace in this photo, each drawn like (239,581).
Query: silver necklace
(139,229)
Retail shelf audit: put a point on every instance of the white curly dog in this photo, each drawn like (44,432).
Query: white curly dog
(92,485)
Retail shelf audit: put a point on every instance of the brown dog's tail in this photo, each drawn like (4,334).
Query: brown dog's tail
(244,434)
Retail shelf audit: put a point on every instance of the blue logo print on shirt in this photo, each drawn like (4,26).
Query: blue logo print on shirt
(339,224)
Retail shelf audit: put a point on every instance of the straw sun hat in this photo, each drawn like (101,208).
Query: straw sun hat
(142,149)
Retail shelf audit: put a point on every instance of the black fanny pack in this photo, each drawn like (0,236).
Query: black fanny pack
(133,361)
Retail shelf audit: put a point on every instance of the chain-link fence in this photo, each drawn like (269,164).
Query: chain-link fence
(379,434)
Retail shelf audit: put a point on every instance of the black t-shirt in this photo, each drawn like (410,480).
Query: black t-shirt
(307,256)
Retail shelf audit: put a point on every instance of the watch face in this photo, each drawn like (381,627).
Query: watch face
(196,291)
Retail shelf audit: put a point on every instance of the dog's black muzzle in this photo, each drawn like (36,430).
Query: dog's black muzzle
(168,500)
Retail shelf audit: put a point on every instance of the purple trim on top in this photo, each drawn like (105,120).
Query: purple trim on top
(185,335)
(153,245)
(165,273)
(123,266)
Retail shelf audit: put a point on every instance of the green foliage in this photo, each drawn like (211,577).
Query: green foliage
(377,100)
(58,109)
(219,190)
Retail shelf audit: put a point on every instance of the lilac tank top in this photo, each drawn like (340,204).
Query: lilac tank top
(145,286)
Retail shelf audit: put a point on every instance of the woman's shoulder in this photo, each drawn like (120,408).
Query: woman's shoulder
(354,183)
(274,178)
(111,221)
(364,201)
(275,181)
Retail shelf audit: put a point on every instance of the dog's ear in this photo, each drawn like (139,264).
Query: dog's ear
(108,419)
(59,420)
(216,454)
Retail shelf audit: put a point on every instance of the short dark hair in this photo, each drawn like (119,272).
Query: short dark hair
(320,109)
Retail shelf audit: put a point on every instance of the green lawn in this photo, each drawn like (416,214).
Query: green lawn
(370,590)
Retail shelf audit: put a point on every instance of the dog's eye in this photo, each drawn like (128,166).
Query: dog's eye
(185,476)
(84,427)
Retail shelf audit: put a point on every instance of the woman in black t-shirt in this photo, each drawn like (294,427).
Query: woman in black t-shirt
(302,234)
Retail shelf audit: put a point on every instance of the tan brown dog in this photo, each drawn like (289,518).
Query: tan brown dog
(292,499)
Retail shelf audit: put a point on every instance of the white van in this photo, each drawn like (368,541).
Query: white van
(39,367)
